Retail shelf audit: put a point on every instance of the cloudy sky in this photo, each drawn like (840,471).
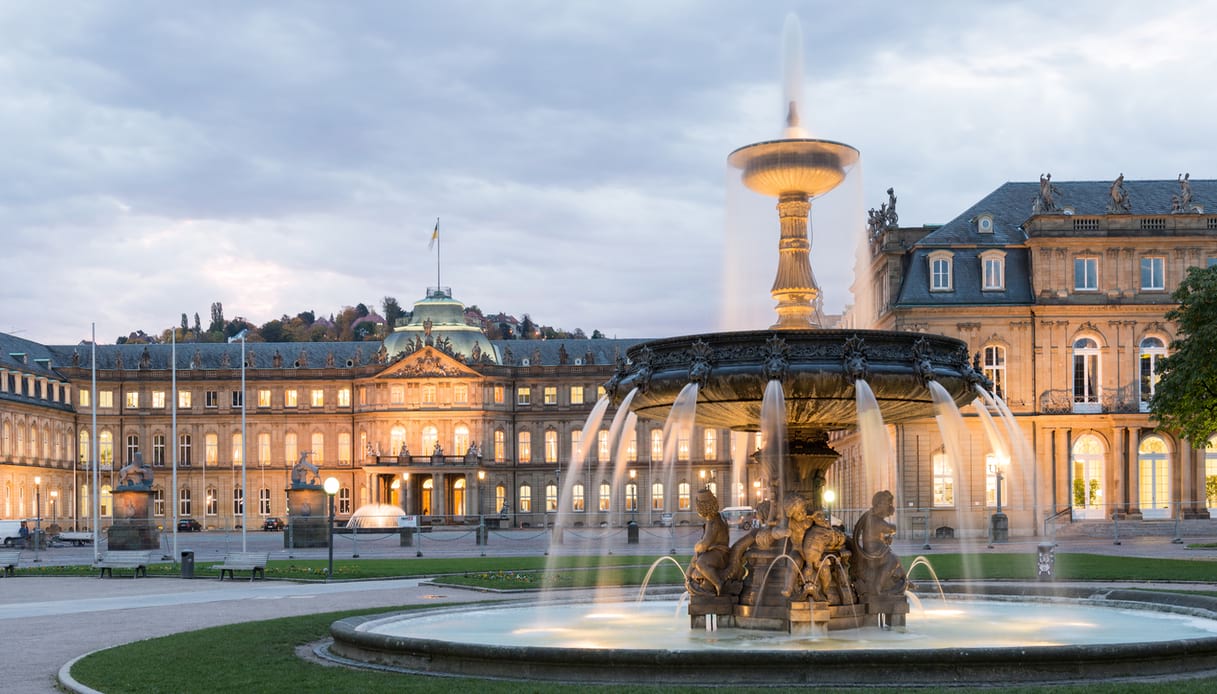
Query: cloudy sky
(279,157)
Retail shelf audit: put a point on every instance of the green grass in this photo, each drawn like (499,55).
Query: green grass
(203,661)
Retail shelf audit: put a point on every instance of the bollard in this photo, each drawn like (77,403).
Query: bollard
(1046,561)
(631,532)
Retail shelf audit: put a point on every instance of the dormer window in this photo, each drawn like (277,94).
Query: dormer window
(984,224)
(993,267)
(941,271)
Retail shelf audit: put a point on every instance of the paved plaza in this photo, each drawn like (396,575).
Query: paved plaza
(48,621)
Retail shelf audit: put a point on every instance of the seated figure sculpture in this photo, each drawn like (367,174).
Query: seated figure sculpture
(711,565)
(876,570)
(135,474)
(304,473)
(822,539)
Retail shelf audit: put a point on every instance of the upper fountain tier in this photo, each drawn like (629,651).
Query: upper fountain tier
(794,165)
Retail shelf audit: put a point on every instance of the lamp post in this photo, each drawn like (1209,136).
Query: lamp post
(241,336)
(999,523)
(331,488)
(633,495)
(54,511)
(829,496)
(37,516)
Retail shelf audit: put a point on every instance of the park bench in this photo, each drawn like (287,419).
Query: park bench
(8,561)
(253,562)
(123,559)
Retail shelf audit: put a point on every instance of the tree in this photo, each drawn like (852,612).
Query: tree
(217,318)
(185,323)
(597,335)
(198,327)
(392,311)
(1185,397)
(527,328)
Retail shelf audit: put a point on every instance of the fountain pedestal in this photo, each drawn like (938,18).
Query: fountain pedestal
(133,527)
(307,525)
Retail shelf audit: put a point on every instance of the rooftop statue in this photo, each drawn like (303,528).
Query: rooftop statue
(1120,204)
(1045,201)
(1185,192)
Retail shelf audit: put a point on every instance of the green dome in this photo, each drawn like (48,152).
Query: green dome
(436,318)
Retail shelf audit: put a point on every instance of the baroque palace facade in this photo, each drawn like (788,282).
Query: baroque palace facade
(1059,288)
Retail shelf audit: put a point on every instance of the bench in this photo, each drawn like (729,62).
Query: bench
(253,562)
(8,561)
(124,559)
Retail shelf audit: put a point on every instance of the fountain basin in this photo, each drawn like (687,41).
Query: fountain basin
(817,369)
(803,165)
(1109,635)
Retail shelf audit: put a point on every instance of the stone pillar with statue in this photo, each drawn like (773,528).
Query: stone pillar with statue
(306,507)
(133,527)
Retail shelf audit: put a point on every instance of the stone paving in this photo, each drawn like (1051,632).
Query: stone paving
(47,621)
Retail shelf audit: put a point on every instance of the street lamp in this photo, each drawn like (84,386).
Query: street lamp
(331,488)
(999,523)
(829,496)
(54,511)
(633,495)
(38,515)
(241,336)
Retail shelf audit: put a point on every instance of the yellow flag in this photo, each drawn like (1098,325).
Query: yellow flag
(434,235)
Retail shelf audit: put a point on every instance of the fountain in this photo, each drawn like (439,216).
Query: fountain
(796,600)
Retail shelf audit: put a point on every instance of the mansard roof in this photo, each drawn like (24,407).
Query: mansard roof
(550,352)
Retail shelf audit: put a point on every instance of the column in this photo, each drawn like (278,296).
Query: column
(1134,473)
(1123,473)
(439,492)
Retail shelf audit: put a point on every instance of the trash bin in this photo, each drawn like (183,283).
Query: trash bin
(187,563)
(482,535)
(631,532)
(1046,561)
(407,537)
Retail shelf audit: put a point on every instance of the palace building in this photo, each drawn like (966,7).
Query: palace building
(1059,288)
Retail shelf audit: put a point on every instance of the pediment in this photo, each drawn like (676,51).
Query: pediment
(427,362)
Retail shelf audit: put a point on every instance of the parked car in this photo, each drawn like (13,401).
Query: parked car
(742,517)
(189,525)
(272,523)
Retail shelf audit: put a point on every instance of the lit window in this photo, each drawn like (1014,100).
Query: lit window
(944,480)
(460,440)
(211,445)
(84,397)
(524,395)
(631,445)
(397,395)
(600,392)
(500,498)
(995,368)
(158,399)
(1085,375)
(682,496)
(656,445)
(263,449)
(344,397)
(525,498)
(291,397)
(105,448)
(318,398)
(1152,352)
(631,496)
(551,395)
(291,447)
(657,496)
(524,447)
(397,436)
(605,497)
(710,449)
(602,446)
(184,401)
(576,395)
(318,449)
(460,394)
(428,393)
(551,446)
(237,460)
(682,444)
(992,464)
(576,444)
(105,399)
(1153,273)
(500,446)
(1085,274)
(551,497)
(132,401)
(498,395)
(576,498)
(430,440)
(264,397)
(344,448)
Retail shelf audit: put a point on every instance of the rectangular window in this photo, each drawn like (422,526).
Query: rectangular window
(105,399)
(158,502)
(132,401)
(318,398)
(944,480)
(264,502)
(1153,274)
(498,395)
(428,393)
(264,397)
(500,446)
(523,395)
(576,444)
(940,274)
(211,398)
(602,445)
(184,401)
(460,394)
(212,449)
(524,452)
(994,273)
(291,397)
(551,446)
(397,395)
(551,395)
(158,399)
(1085,274)
(576,395)
(711,446)
(344,500)
(84,397)
(158,450)
(238,399)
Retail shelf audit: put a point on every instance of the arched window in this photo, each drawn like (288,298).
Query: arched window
(82,453)
(263,449)
(183,450)
(500,498)
(428,492)
(211,449)
(941,275)
(8,439)
(183,502)
(344,448)
(460,440)
(551,497)
(1153,349)
(317,446)
(1086,375)
(132,447)
(106,503)
(551,446)
(576,498)
(995,368)
(524,449)
(290,448)
(682,496)
(430,440)
(1087,476)
(237,457)
(657,496)
(105,445)
(1155,477)
(525,498)
(606,497)
(458,497)
(656,445)
(158,450)
(576,444)
(631,444)
(397,436)
(602,446)
(500,446)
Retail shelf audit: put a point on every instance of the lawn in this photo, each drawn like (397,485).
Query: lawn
(203,660)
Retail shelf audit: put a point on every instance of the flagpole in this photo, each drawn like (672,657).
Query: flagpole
(173,494)
(438,285)
(93,445)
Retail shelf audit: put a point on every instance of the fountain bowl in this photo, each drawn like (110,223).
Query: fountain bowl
(793,165)
(356,641)
(818,369)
